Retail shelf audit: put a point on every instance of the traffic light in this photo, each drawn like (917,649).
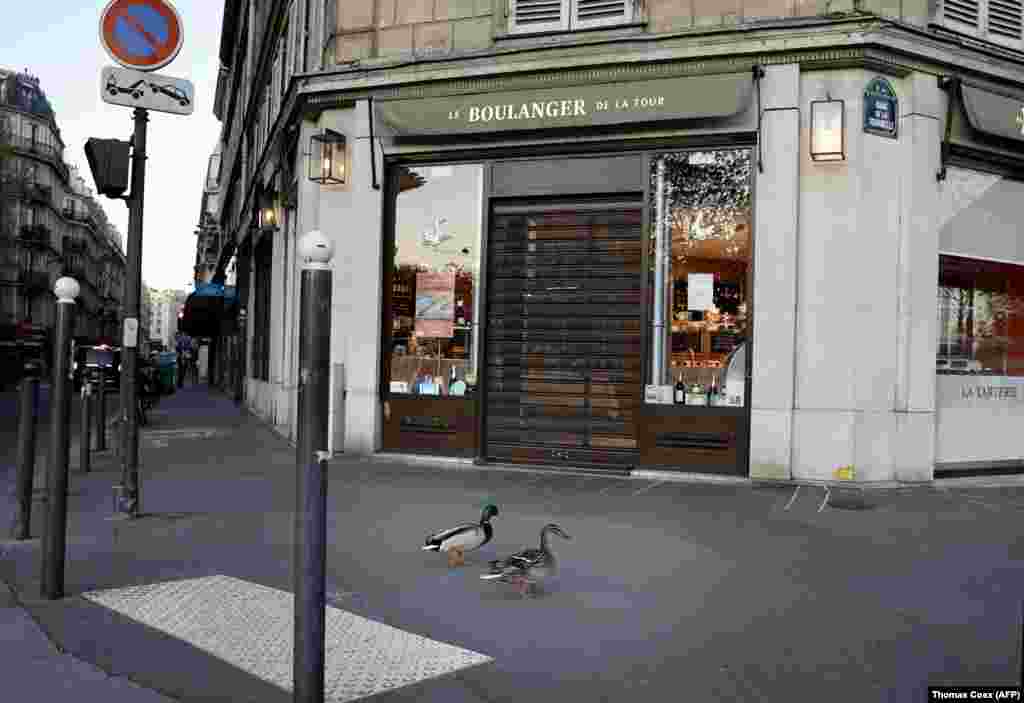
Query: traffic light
(108,161)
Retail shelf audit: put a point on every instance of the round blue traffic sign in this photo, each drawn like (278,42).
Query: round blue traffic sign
(141,34)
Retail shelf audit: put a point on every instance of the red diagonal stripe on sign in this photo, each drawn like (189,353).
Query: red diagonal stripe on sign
(137,26)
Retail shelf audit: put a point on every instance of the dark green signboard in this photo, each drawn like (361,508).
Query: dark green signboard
(881,109)
(692,97)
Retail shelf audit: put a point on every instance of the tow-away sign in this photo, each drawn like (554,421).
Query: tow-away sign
(122,86)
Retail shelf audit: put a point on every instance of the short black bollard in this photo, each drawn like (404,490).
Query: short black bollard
(309,562)
(55,527)
(28,411)
(101,412)
(84,463)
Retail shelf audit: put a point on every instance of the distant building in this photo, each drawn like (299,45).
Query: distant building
(164,308)
(50,225)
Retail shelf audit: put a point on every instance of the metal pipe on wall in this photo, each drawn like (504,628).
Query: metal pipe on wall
(658,318)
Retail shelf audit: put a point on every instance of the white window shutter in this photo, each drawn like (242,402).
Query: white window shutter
(1005,23)
(962,16)
(601,13)
(538,15)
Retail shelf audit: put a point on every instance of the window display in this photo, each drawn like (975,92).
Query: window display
(436,273)
(980,317)
(701,254)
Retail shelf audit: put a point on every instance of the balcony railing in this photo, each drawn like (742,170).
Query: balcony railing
(35,234)
(34,280)
(39,193)
(73,244)
(46,151)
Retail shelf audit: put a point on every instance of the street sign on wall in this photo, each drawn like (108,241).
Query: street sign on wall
(141,34)
(152,91)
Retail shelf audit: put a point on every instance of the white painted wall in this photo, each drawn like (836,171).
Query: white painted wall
(866,281)
(777,196)
(979,418)
(351,215)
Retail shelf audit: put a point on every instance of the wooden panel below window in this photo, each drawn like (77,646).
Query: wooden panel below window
(701,441)
(444,426)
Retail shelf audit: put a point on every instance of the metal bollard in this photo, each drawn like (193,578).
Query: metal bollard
(55,527)
(101,413)
(84,463)
(309,562)
(28,407)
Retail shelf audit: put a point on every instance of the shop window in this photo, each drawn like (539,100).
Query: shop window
(980,317)
(432,314)
(699,272)
(565,15)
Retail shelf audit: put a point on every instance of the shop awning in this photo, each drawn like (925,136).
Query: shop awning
(716,96)
(209,309)
(995,114)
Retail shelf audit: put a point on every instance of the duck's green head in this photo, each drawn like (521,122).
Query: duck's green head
(490,510)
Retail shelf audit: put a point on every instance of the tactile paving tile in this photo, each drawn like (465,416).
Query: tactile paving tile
(251,626)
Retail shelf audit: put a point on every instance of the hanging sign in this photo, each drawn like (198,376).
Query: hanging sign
(141,34)
(881,109)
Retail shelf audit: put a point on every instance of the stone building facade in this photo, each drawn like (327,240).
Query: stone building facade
(50,225)
(502,160)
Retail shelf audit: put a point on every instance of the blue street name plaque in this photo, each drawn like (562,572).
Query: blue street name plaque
(881,109)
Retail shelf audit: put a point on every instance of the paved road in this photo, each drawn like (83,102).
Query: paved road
(669,591)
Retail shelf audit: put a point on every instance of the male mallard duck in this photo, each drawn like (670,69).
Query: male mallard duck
(456,541)
(529,566)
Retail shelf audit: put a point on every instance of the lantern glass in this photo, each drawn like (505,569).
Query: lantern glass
(828,130)
(327,157)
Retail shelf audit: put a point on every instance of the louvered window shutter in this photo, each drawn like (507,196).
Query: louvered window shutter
(538,15)
(962,15)
(599,13)
(1006,22)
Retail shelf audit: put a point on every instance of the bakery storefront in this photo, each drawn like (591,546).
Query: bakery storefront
(568,273)
(980,303)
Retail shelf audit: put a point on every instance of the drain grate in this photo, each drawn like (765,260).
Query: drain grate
(850,502)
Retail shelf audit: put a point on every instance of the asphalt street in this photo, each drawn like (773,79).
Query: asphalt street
(669,591)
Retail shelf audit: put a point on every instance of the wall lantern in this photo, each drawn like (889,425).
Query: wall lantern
(267,212)
(327,158)
(828,130)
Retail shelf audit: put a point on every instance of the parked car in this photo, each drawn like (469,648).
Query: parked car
(171,91)
(92,362)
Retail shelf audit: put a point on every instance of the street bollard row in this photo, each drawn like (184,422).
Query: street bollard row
(54,536)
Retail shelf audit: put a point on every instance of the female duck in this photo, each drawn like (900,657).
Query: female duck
(528,566)
(456,541)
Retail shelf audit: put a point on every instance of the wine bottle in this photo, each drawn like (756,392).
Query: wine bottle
(680,390)
(696,394)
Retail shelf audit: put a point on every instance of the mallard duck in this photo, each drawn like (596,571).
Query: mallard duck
(456,541)
(528,566)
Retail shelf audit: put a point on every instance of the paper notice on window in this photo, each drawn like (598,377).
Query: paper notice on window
(700,291)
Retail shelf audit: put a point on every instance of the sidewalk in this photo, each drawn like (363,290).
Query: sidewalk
(668,591)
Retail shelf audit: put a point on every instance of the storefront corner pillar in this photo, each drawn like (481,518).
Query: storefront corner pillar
(776,208)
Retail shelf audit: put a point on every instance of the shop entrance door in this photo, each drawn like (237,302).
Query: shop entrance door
(563,368)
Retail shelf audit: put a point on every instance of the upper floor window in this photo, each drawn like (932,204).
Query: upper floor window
(566,15)
(998,21)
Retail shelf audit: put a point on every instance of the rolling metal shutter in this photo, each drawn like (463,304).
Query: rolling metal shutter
(564,333)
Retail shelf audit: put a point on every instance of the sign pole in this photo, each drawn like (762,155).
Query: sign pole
(129,503)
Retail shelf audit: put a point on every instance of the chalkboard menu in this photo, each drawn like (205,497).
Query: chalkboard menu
(724,343)
(727,297)
(403,293)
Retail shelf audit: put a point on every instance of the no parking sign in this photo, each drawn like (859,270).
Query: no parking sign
(141,34)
